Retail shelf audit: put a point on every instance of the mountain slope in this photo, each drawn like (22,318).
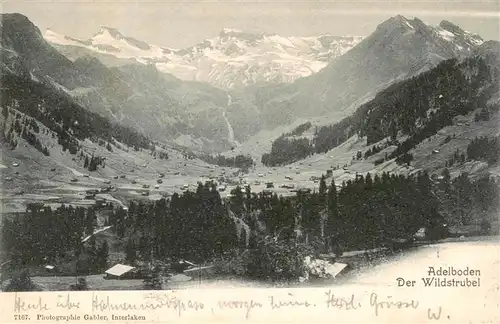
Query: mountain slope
(399,48)
(232,59)
(408,112)
(136,95)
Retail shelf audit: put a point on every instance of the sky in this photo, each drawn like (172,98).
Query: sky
(179,24)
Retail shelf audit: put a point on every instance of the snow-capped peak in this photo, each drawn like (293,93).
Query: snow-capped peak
(450,31)
(56,38)
(233,58)
(108,32)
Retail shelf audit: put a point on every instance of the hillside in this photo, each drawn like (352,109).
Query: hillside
(399,48)
(407,112)
(138,96)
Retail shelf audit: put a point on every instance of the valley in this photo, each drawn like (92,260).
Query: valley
(263,157)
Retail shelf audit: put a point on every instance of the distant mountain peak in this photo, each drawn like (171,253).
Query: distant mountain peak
(401,21)
(113,32)
(108,35)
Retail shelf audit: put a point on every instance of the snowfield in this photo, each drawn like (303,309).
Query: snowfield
(232,59)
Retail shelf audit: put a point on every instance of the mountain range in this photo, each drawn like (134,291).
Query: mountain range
(399,48)
(233,59)
(136,95)
(124,80)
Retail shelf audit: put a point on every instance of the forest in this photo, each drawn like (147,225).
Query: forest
(359,214)
(239,161)
(417,107)
(61,114)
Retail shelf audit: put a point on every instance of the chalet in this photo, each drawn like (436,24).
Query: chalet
(74,180)
(49,268)
(122,176)
(118,271)
(329,172)
(269,185)
(159,181)
(145,186)
(288,178)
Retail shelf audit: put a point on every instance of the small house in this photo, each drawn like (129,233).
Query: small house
(117,271)
(50,268)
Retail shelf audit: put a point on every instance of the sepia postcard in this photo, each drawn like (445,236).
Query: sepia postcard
(251,161)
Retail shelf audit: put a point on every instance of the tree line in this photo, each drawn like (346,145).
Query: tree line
(61,114)
(362,213)
(238,161)
(417,107)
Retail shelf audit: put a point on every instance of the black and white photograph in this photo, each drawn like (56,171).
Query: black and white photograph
(169,145)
